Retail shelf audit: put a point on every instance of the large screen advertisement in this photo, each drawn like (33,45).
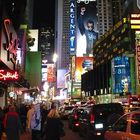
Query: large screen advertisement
(121,75)
(83,64)
(87,33)
(51,73)
(61,78)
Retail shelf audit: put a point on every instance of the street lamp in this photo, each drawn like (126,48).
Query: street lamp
(55,56)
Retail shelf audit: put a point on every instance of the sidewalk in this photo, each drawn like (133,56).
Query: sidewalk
(25,136)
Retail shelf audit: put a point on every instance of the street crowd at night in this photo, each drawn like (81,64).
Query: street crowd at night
(70,70)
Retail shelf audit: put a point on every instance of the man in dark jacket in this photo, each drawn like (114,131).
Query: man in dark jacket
(12,124)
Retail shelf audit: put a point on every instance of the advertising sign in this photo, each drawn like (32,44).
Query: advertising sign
(61,78)
(87,33)
(34,35)
(138,55)
(83,64)
(9,75)
(121,75)
(72,28)
(51,76)
(76,93)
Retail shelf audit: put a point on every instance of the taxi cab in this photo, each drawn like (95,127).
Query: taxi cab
(126,127)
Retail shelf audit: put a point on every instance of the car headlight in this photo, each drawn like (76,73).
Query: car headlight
(99,126)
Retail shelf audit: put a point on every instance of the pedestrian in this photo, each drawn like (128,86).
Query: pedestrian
(54,126)
(29,117)
(12,124)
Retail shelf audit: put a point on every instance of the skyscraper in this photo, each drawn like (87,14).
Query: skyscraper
(109,13)
(62,33)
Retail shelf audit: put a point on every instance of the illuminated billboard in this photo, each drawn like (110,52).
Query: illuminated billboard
(87,33)
(9,75)
(121,75)
(34,35)
(51,73)
(61,78)
(83,64)
(72,27)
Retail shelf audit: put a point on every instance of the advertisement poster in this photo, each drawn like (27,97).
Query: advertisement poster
(61,78)
(51,76)
(87,33)
(36,118)
(83,64)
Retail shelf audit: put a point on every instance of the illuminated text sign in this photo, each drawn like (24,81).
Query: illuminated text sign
(72,27)
(12,43)
(85,1)
(8,75)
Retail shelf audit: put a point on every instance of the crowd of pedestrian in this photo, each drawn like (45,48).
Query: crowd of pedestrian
(36,120)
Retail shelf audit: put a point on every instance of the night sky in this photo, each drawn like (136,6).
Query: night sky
(44,13)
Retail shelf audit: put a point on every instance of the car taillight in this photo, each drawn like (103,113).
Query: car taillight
(92,118)
(76,124)
(75,116)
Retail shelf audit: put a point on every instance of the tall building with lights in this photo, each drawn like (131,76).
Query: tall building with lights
(109,12)
(62,33)
(46,43)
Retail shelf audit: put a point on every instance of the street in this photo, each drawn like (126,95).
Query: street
(70,135)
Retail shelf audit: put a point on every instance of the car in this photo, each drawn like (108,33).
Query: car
(96,119)
(127,127)
(73,118)
(66,111)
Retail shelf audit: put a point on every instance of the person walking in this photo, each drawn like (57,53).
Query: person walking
(54,126)
(12,124)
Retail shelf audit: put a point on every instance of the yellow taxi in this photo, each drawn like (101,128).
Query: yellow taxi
(126,127)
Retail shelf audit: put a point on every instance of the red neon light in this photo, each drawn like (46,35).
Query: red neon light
(12,43)
(6,75)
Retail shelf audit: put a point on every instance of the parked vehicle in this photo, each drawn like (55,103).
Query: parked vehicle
(126,127)
(94,123)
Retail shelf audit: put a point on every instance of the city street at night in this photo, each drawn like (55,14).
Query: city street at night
(70,61)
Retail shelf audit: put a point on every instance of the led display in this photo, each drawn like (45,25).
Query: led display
(121,75)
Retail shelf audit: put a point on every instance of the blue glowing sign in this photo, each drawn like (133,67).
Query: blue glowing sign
(121,75)
(72,27)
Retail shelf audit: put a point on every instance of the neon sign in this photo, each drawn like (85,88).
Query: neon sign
(72,27)
(12,43)
(8,75)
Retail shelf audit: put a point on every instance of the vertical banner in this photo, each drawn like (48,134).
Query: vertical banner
(61,78)
(138,56)
(86,27)
(51,73)
(36,118)
(72,27)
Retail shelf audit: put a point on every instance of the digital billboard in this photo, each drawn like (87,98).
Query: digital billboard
(61,78)
(87,33)
(83,64)
(34,35)
(51,73)
(121,75)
